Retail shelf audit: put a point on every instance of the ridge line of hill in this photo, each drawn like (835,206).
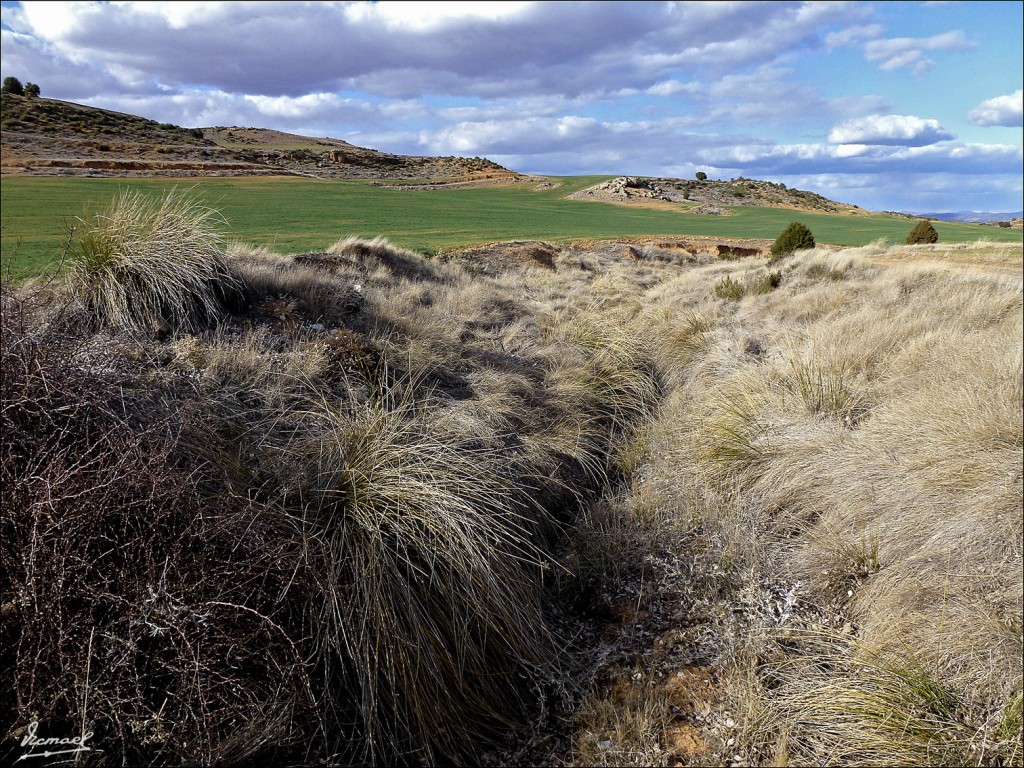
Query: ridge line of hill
(42,136)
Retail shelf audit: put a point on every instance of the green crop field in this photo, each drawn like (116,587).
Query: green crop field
(293,215)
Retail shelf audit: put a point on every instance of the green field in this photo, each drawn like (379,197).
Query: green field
(293,215)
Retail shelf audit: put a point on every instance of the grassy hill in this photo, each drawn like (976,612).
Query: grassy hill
(52,137)
(42,118)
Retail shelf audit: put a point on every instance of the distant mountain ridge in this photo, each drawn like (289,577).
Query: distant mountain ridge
(972,217)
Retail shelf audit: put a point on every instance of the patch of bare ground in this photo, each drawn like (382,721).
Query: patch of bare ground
(496,258)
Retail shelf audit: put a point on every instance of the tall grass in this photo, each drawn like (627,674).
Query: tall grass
(857,706)
(318,523)
(144,264)
(426,608)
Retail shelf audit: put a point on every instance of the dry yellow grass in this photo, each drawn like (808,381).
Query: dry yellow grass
(859,434)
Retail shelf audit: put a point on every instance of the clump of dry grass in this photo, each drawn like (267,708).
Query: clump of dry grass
(848,704)
(380,253)
(624,730)
(426,610)
(144,264)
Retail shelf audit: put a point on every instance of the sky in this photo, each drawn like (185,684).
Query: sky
(907,106)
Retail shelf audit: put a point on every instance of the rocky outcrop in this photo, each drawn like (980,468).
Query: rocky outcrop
(623,189)
(708,197)
(736,252)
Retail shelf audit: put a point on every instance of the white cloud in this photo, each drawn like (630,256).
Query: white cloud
(891,130)
(404,51)
(49,21)
(300,107)
(852,35)
(673,87)
(178,14)
(533,135)
(1002,110)
(899,52)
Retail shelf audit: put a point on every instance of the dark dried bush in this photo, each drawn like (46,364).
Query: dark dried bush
(209,571)
(134,605)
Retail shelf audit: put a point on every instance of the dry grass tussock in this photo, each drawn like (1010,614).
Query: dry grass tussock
(145,263)
(366,506)
(858,432)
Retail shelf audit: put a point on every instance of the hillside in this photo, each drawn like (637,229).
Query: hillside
(711,197)
(52,137)
(1012,219)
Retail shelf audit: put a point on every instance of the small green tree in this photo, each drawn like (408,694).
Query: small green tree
(701,176)
(12,85)
(795,237)
(31,89)
(924,232)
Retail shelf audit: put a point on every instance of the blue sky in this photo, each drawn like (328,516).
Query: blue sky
(890,106)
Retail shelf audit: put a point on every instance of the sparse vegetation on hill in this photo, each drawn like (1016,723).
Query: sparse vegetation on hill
(386,508)
(47,136)
(710,196)
(42,120)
